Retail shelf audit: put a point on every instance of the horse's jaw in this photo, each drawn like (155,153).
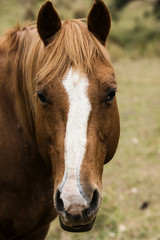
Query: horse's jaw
(77,228)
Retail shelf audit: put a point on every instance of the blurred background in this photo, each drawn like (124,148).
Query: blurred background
(131,181)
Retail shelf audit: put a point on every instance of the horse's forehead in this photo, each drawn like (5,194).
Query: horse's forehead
(103,71)
(100,74)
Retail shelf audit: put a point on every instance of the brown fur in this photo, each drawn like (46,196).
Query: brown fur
(32,135)
(25,183)
(72,45)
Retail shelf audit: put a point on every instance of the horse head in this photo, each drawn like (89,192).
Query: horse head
(77,120)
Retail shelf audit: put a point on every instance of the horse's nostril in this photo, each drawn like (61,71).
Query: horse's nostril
(94,203)
(59,203)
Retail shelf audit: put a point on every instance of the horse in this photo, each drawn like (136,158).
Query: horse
(59,122)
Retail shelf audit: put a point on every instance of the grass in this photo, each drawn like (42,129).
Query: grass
(132,177)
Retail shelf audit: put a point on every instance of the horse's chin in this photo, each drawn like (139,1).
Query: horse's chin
(78,228)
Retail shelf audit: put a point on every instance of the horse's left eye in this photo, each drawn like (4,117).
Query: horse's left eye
(110,96)
(42,97)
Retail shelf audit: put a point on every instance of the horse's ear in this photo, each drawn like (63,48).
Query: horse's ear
(99,21)
(48,22)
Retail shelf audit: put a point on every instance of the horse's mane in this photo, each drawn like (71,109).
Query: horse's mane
(72,46)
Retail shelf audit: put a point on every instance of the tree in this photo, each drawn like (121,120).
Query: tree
(29,6)
(157,8)
(119,4)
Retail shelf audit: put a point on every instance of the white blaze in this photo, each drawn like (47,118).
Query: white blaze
(76,137)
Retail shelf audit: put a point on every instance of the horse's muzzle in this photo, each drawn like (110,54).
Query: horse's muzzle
(78,218)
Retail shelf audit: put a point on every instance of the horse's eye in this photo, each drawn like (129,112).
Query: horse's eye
(42,97)
(110,96)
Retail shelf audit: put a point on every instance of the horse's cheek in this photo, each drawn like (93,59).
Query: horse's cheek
(113,139)
(42,135)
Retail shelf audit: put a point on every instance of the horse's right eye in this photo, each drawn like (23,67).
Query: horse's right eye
(42,97)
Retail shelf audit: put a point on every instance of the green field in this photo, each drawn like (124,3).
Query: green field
(131,194)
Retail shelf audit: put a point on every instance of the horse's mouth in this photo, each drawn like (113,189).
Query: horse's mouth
(77,228)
